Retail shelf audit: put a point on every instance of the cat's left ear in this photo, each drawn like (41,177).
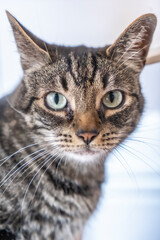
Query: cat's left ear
(32,50)
(131,48)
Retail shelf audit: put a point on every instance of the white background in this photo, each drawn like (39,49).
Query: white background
(130,206)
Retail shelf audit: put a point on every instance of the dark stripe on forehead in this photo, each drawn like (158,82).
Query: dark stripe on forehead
(64,84)
(94,63)
(85,66)
(69,62)
(105,80)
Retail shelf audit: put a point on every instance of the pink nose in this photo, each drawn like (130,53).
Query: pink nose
(87,136)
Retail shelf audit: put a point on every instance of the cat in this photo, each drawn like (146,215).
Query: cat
(73,106)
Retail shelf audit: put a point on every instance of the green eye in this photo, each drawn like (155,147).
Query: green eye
(113,99)
(56,101)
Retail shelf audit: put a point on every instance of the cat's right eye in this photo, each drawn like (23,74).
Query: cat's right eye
(56,101)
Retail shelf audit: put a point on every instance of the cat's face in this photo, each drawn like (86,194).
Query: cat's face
(85,109)
(82,101)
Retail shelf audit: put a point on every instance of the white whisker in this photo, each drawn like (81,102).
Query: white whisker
(34,163)
(44,173)
(20,150)
(126,148)
(5,179)
(45,162)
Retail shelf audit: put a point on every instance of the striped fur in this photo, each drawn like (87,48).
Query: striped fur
(50,179)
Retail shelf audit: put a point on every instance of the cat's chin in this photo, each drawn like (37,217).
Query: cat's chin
(86,152)
(86,156)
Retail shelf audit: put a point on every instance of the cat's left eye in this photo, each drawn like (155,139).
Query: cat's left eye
(113,99)
(56,101)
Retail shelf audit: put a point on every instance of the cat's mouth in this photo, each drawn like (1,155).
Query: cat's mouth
(87,151)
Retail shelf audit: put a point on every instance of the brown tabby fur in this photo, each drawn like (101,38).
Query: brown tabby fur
(50,179)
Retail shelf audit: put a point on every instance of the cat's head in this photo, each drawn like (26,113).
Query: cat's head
(83,101)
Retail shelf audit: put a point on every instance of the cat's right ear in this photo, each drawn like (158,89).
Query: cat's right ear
(33,51)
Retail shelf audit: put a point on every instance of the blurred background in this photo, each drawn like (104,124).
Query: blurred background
(130,205)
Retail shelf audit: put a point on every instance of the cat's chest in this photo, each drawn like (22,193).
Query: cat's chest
(60,217)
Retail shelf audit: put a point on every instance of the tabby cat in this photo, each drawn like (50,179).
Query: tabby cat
(73,106)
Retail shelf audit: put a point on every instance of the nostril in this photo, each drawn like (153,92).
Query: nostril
(87,137)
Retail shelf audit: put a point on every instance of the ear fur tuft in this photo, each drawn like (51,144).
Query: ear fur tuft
(131,48)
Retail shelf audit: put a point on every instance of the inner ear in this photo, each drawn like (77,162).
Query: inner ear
(33,51)
(131,48)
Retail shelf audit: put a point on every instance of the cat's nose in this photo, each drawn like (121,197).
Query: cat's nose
(87,136)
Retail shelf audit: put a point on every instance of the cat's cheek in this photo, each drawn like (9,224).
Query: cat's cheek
(51,117)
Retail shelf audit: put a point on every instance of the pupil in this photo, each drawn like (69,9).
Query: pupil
(111,97)
(56,98)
